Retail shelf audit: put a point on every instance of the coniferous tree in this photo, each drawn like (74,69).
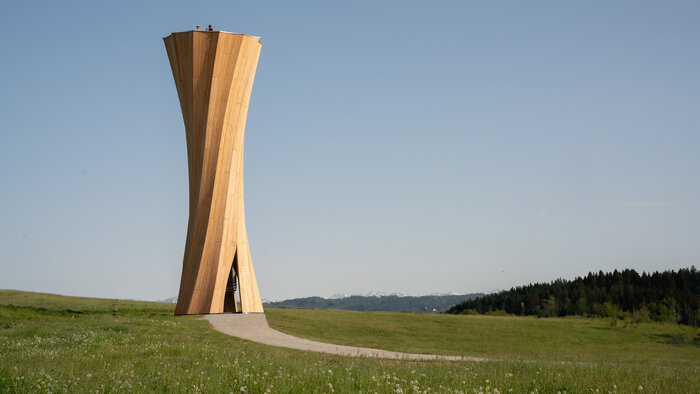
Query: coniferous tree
(662,296)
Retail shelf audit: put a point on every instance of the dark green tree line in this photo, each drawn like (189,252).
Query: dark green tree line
(661,296)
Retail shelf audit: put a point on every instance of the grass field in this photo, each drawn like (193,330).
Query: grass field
(573,339)
(52,343)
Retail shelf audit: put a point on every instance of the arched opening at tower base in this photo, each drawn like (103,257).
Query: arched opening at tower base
(230,300)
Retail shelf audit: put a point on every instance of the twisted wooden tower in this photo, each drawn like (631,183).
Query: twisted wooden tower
(214,74)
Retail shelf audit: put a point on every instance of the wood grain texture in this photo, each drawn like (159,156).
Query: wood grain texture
(214,73)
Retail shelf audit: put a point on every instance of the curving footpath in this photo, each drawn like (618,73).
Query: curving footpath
(254,327)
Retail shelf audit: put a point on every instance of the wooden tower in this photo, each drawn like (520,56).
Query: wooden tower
(214,74)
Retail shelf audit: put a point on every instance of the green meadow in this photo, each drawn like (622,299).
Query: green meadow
(51,343)
(574,339)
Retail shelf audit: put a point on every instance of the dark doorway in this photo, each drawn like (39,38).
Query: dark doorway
(230,299)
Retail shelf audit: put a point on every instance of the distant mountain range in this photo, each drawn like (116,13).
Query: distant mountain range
(373,293)
(377,301)
(377,293)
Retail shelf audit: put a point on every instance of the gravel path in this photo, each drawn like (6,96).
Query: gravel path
(254,327)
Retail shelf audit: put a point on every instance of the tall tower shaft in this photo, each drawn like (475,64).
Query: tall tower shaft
(214,74)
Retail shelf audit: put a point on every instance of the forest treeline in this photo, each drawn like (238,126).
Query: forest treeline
(660,296)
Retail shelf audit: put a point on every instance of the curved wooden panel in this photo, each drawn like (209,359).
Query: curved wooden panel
(214,73)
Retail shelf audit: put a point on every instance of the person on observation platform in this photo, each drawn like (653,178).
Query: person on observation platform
(210,28)
(197,28)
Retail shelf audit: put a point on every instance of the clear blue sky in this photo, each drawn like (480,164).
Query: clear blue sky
(414,147)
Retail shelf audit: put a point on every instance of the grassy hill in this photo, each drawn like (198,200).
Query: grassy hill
(55,302)
(66,344)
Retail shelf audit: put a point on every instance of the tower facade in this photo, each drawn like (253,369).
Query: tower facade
(214,74)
